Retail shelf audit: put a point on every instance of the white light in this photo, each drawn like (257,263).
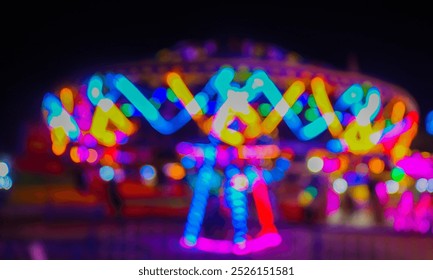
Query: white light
(5,182)
(239,182)
(315,164)
(375,137)
(4,169)
(193,107)
(238,100)
(421,185)
(95,92)
(339,185)
(430,185)
(329,118)
(105,104)
(282,107)
(392,186)
(257,83)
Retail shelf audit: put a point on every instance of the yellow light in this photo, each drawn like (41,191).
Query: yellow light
(305,198)
(184,94)
(360,193)
(103,115)
(359,138)
(236,107)
(325,107)
(276,115)
(60,140)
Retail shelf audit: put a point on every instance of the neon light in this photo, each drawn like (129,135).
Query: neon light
(148,172)
(239,119)
(421,185)
(6,182)
(339,185)
(106,173)
(392,186)
(174,171)
(315,164)
(4,169)
(376,165)
(397,174)
(325,107)
(429,122)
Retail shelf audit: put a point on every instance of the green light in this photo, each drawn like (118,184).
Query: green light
(397,174)
(311,114)
(388,123)
(297,107)
(171,96)
(265,109)
(155,103)
(311,190)
(312,101)
(242,74)
(127,109)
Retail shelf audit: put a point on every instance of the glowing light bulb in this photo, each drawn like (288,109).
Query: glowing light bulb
(339,185)
(106,173)
(392,186)
(4,169)
(148,172)
(239,182)
(421,184)
(315,164)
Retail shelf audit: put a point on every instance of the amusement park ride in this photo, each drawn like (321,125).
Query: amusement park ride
(232,123)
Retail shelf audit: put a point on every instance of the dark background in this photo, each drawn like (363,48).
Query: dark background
(43,46)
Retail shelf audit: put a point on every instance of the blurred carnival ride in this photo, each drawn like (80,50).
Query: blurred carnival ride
(331,146)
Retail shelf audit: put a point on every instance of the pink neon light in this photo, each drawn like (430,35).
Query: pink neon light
(422,222)
(214,246)
(381,193)
(331,164)
(227,247)
(403,220)
(417,166)
(333,202)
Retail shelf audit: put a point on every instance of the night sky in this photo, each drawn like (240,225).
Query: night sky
(43,47)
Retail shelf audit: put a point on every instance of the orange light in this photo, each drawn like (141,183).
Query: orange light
(74,154)
(174,171)
(376,165)
(67,99)
(93,156)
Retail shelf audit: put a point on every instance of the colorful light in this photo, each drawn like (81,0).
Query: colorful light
(429,123)
(174,171)
(242,113)
(4,169)
(421,185)
(339,185)
(239,182)
(376,165)
(430,185)
(397,174)
(106,173)
(5,182)
(315,164)
(148,172)
(392,186)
